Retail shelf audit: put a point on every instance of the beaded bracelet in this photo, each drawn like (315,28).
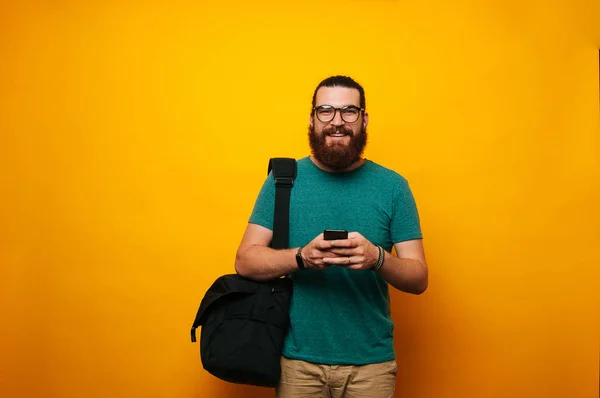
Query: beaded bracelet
(379,264)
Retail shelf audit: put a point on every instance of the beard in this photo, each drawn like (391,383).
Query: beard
(337,156)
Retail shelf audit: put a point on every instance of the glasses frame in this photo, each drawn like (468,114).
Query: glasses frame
(335,110)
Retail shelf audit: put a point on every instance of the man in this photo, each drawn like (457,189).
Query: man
(340,341)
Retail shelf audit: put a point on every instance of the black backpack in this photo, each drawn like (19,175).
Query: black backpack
(244,322)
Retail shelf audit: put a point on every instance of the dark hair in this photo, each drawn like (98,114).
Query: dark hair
(341,81)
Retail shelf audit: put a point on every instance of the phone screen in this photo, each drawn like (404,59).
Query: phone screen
(335,234)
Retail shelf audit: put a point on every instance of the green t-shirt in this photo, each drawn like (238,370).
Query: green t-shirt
(341,316)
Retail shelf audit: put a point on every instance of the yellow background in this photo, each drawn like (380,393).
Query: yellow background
(134,137)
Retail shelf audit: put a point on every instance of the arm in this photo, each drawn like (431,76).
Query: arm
(256,260)
(408,270)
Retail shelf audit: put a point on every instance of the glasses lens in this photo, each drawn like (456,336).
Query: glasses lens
(325,113)
(350,114)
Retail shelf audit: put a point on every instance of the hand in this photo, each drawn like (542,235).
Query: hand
(316,252)
(356,252)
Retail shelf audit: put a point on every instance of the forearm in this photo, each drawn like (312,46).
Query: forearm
(262,263)
(405,274)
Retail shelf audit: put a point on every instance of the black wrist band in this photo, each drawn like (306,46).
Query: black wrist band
(299,260)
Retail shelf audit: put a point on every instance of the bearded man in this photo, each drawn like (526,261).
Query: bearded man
(340,339)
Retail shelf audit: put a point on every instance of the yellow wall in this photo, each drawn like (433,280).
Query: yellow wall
(124,125)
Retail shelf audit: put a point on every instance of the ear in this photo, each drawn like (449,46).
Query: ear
(365,119)
(310,120)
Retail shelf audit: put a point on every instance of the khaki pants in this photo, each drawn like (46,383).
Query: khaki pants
(300,379)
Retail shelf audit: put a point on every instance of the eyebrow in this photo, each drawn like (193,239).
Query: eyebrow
(343,106)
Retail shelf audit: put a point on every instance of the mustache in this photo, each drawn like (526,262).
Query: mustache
(333,130)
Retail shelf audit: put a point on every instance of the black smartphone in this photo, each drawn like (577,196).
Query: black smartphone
(335,234)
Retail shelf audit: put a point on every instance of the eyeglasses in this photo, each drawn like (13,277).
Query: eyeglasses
(349,113)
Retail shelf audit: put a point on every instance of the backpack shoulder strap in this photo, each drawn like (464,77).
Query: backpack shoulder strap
(284,172)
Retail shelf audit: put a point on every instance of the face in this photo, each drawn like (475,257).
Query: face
(338,144)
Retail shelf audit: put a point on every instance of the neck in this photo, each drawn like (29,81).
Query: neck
(353,166)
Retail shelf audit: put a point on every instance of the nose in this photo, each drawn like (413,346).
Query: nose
(337,118)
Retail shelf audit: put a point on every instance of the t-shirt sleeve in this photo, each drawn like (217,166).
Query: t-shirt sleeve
(264,207)
(405,217)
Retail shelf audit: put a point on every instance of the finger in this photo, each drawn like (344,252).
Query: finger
(354,235)
(329,254)
(342,252)
(344,243)
(354,266)
(324,244)
(344,261)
